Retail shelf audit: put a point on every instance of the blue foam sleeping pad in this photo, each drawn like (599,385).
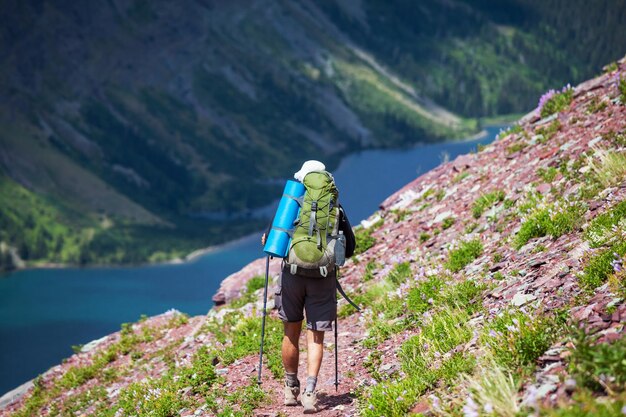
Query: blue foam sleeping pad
(277,243)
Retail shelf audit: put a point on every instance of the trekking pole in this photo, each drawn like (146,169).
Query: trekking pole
(267,272)
(336,346)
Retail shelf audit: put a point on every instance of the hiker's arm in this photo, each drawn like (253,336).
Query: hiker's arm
(346,228)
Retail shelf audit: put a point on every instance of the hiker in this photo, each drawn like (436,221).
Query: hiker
(315,295)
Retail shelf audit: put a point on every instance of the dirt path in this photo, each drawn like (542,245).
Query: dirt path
(351,373)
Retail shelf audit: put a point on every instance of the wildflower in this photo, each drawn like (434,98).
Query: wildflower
(371,407)
(400,398)
(624,410)
(544,98)
(511,328)
(436,403)
(515,322)
(492,333)
(488,408)
(470,409)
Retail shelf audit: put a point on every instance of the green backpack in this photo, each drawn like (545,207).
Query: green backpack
(312,249)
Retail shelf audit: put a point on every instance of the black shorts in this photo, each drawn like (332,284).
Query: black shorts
(316,296)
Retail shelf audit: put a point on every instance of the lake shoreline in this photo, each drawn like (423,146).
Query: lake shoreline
(198,253)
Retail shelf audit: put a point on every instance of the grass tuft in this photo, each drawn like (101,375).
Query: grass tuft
(486,201)
(464,254)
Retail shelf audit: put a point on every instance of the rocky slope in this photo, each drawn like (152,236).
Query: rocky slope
(132,121)
(491,285)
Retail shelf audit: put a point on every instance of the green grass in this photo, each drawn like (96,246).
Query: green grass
(550,221)
(486,201)
(547,175)
(600,230)
(364,238)
(558,102)
(447,222)
(422,297)
(464,254)
(400,273)
(77,376)
(516,147)
(598,267)
(248,295)
(548,132)
(424,362)
(622,90)
(599,367)
(608,167)
(516,340)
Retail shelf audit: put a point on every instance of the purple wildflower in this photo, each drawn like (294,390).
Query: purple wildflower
(544,98)
(470,409)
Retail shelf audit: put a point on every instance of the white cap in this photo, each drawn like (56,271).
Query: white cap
(309,166)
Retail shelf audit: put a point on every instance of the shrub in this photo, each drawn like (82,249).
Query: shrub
(549,131)
(464,296)
(553,221)
(399,273)
(486,201)
(598,268)
(517,340)
(600,230)
(553,102)
(364,239)
(547,174)
(447,223)
(462,256)
(609,167)
(600,367)
(493,387)
(422,297)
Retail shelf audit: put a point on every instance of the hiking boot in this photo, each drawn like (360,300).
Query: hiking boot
(291,395)
(309,401)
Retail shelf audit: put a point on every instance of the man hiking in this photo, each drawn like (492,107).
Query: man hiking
(312,291)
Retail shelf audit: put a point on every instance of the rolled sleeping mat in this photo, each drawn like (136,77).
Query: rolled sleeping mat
(277,243)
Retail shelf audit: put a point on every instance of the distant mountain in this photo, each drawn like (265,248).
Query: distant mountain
(129,121)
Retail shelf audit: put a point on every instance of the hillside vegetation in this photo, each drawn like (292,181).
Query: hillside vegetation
(493,285)
(138,122)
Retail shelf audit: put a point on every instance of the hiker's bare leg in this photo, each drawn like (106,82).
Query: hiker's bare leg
(290,351)
(315,351)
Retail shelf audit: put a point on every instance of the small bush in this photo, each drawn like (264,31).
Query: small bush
(400,273)
(493,387)
(486,201)
(547,174)
(447,223)
(516,147)
(608,167)
(553,102)
(516,340)
(364,239)
(598,268)
(422,297)
(548,132)
(550,221)
(465,254)
(465,295)
(600,367)
(424,237)
(600,230)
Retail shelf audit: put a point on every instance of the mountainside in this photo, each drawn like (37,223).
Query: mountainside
(126,126)
(491,285)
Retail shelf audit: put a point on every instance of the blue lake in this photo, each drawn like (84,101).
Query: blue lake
(44,312)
